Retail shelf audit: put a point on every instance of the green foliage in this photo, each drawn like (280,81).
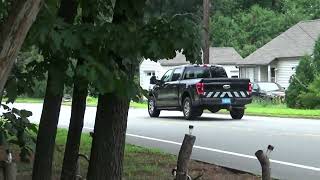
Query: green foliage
(311,99)
(304,88)
(299,82)
(15,129)
(307,8)
(248,30)
(26,79)
(5,7)
(247,25)
(316,58)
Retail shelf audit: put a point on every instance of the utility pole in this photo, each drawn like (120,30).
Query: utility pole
(206,7)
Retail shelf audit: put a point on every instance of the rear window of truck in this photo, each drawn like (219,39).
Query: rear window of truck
(205,72)
(197,72)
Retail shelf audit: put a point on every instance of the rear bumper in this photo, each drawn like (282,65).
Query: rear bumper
(218,102)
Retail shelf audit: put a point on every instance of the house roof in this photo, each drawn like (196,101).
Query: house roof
(218,55)
(224,55)
(180,59)
(297,41)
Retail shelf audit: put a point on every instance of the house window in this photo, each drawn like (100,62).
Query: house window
(273,74)
(151,73)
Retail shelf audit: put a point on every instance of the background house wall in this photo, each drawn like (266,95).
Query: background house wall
(285,69)
(248,72)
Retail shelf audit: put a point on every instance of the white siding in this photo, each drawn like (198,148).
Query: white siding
(285,69)
(248,72)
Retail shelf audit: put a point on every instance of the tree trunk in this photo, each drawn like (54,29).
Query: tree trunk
(13,33)
(80,92)
(109,138)
(48,127)
(42,166)
(108,143)
(206,44)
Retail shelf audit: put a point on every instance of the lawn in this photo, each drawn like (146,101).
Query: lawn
(139,163)
(280,110)
(258,109)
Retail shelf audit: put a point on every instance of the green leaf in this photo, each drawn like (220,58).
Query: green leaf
(24,113)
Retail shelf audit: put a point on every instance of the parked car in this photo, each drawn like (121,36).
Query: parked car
(268,90)
(193,88)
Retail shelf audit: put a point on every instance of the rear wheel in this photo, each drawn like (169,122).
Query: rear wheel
(237,113)
(152,108)
(190,112)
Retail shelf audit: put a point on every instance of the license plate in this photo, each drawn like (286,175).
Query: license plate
(226,101)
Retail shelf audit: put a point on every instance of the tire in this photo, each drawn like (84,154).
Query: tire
(152,108)
(198,113)
(190,112)
(237,113)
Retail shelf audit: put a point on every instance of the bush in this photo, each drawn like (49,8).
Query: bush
(310,101)
(304,88)
(299,82)
(39,89)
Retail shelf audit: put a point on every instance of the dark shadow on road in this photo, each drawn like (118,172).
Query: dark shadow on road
(181,118)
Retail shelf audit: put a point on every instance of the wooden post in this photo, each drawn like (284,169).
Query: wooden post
(184,157)
(265,164)
(10,171)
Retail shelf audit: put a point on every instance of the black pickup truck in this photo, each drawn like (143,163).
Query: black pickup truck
(193,88)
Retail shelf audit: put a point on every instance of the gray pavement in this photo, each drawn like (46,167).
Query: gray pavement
(223,141)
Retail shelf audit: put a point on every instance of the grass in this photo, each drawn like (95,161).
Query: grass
(281,110)
(256,108)
(139,163)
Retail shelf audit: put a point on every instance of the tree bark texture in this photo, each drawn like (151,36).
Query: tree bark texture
(80,92)
(108,144)
(51,107)
(265,164)
(206,44)
(48,128)
(184,156)
(13,33)
(109,138)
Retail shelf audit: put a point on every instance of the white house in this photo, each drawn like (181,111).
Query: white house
(276,61)
(227,57)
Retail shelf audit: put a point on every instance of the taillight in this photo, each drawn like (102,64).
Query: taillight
(200,88)
(250,88)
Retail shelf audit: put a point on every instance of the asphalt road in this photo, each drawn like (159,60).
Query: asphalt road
(223,141)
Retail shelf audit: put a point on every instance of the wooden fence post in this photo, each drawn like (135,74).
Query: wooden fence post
(184,157)
(265,162)
(10,171)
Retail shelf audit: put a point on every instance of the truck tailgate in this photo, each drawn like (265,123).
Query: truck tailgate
(226,88)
